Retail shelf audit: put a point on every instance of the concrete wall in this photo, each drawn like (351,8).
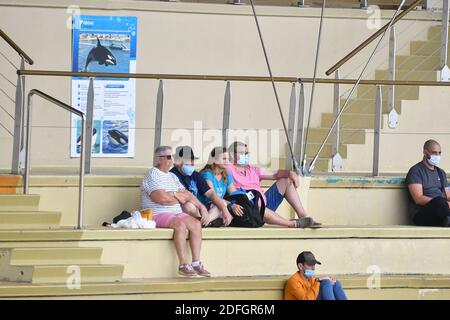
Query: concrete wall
(189,38)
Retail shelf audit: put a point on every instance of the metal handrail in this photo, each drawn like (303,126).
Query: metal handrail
(16,47)
(82,152)
(371,38)
(228,78)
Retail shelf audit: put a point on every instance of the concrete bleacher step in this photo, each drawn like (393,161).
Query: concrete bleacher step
(392,287)
(29,219)
(417,62)
(54,256)
(410,75)
(19,202)
(358,121)
(367,106)
(354,136)
(40,268)
(425,48)
(401,92)
(88,273)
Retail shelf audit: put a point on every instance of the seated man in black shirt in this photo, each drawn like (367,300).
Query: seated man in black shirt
(428,189)
(192,180)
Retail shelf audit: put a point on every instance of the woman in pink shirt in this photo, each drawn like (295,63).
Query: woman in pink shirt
(249,177)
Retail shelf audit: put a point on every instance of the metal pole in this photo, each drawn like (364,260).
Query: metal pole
(26,180)
(159,112)
(363,4)
(291,125)
(300,123)
(18,143)
(377,133)
(311,167)
(304,169)
(336,159)
(89,124)
(226,114)
(274,89)
(82,170)
(393,115)
(445,71)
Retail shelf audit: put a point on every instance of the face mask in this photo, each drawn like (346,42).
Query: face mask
(244,160)
(309,273)
(187,169)
(434,160)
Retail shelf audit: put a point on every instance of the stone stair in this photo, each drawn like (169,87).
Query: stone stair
(421,64)
(45,265)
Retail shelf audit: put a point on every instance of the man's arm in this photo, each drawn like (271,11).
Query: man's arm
(295,289)
(416,191)
(280,174)
(163,197)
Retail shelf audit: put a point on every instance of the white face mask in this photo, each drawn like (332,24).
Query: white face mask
(434,160)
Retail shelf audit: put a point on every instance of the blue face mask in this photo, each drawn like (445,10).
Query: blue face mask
(309,273)
(244,160)
(187,169)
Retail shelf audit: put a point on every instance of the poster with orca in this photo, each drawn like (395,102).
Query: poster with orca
(105,44)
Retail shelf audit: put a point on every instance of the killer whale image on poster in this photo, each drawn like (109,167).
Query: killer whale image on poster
(115,137)
(104,53)
(96,134)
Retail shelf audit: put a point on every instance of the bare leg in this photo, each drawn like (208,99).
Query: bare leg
(272,217)
(286,188)
(190,209)
(179,238)
(195,236)
(214,213)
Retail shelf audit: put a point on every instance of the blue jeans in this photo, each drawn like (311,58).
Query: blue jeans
(330,291)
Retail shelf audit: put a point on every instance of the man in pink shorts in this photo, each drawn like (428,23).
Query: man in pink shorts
(162,192)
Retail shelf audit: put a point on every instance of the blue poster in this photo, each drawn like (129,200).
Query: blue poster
(105,44)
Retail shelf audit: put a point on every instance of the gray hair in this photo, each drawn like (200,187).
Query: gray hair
(158,151)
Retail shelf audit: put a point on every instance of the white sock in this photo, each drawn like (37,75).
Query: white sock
(195,263)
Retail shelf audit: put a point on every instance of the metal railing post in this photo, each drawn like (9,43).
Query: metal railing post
(377,132)
(291,126)
(336,160)
(393,115)
(19,117)
(26,179)
(363,4)
(226,114)
(159,113)
(445,71)
(89,125)
(301,127)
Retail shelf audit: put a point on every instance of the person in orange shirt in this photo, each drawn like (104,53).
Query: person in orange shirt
(304,286)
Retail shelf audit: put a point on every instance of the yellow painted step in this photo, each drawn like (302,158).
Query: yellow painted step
(69,273)
(55,256)
(19,202)
(356,136)
(409,75)
(434,33)
(418,62)
(356,121)
(401,92)
(326,152)
(367,106)
(393,287)
(425,48)
(29,220)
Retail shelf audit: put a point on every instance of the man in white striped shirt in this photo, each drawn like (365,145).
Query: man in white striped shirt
(162,192)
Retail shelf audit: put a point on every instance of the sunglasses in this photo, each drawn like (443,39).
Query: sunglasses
(168,157)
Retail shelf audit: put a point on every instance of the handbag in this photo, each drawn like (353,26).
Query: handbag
(253,216)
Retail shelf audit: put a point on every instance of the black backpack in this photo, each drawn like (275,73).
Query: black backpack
(253,215)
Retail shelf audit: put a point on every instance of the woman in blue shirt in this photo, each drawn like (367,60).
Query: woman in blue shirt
(219,179)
